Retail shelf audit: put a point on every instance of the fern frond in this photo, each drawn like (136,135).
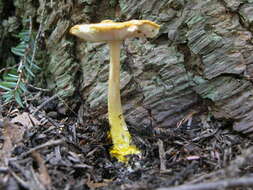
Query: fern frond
(14,83)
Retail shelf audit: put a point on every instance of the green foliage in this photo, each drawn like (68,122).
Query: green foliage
(14,82)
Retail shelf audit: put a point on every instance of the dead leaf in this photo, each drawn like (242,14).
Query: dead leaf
(13,134)
(25,119)
(42,170)
(94,185)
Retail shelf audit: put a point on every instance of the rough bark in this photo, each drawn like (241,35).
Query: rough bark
(203,52)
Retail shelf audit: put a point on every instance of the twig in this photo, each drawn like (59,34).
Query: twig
(20,72)
(67,187)
(24,58)
(20,181)
(205,136)
(47,144)
(67,106)
(38,35)
(44,103)
(230,171)
(3,169)
(8,68)
(222,184)
(161,156)
(35,182)
(207,176)
(37,88)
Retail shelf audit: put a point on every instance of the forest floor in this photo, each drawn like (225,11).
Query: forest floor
(46,148)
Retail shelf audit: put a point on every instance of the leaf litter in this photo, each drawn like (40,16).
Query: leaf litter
(39,152)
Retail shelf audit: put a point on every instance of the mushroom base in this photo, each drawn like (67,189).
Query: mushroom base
(121,139)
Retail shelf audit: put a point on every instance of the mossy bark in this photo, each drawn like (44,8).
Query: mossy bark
(203,53)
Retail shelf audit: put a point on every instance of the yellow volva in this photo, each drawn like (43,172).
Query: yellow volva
(113,33)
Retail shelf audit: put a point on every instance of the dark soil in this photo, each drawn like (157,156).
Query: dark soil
(76,156)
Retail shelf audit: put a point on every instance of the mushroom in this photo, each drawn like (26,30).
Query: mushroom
(113,33)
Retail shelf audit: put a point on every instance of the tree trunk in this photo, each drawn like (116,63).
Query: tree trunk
(201,62)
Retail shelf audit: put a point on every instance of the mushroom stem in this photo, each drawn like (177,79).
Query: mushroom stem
(120,135)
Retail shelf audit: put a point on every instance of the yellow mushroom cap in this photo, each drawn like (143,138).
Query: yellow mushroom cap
(109,30)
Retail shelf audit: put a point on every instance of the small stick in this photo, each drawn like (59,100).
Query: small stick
(44,103)
(38,35)
(222,184)
(3,169)
(8,68)
(161,156)
(207,176)
(47,144)
(39,89)
(20,181)
(232,169)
